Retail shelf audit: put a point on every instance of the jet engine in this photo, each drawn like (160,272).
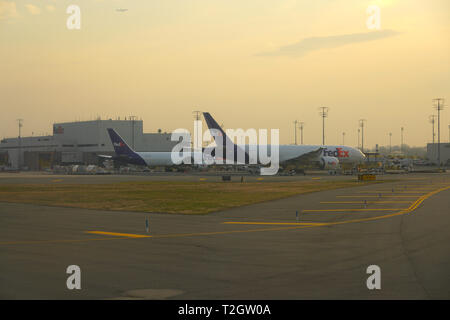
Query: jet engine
(329,163)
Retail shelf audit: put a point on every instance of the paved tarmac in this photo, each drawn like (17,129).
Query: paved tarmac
(260,251)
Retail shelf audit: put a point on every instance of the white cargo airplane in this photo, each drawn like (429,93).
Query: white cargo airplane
(326,157)
(126,155)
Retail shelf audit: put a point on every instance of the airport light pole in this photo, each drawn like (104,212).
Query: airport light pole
(323,113)
(361,124)
(401,140)
(20,122)
(359,130)
(439,105)
(295,132)
(432,120)
(198,137)
(132,118)
(343,138)
(301,124)
(390,142)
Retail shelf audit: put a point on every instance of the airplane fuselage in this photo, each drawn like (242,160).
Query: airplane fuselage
(344,154)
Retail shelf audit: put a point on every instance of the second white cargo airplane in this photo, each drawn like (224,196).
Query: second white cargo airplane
(326,157)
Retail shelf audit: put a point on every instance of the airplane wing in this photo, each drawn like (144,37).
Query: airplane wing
(306,157)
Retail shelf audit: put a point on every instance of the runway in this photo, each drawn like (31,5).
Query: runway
(310,246)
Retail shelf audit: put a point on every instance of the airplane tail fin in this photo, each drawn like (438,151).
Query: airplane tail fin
(120,146)
(212,124)
(123,151)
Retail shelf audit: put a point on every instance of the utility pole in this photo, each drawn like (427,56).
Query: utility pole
(301,124)
(439,105)
(295,132)
(390,142)
(132,118)
(323,113)
(20,122)
(343,138)
(359,131)
(401,139)
(198,142)
(432,120)
(361,124)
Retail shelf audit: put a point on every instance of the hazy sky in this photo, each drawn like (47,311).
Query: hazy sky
(251,63)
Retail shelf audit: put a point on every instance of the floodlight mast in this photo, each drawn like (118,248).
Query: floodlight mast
(439,105)
(324,114)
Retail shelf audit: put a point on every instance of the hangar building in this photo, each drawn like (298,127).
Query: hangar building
(78,142)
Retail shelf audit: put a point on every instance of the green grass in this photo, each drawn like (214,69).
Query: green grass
(165,197)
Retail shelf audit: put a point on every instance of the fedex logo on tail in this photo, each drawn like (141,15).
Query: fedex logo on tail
(119,144)
(338,153)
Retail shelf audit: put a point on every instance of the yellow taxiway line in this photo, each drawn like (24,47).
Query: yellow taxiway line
(389,191)
(411,208)
(278,223)
(404,211)
(127,235)
(368,196)
(409,187)
(340,210)
(425,185)
(362,202)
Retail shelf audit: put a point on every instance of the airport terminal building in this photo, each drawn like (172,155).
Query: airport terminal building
(78,143)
